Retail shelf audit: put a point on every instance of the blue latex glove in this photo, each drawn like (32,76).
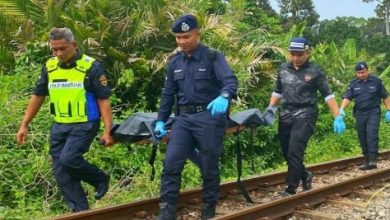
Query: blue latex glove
(342,112)
(218,106)
(159,130)
(387,116)
(269,115)
(338,125)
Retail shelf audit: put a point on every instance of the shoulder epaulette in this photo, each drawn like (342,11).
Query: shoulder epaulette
(85,63)
(52,64)
(211,54)
(173,54)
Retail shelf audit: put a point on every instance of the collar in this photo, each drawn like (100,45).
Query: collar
(197,52)
(368,79)
(305,65)
(73,63)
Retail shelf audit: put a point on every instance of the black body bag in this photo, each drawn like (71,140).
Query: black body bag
(139,127)
(251,119)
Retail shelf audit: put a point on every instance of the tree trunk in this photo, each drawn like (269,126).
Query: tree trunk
(387,19)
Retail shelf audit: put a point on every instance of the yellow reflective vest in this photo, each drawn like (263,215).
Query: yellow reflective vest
(68,98)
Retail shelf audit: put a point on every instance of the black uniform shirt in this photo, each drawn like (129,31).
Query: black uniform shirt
(95,83)
(299,87)
(196,80)
(367,94)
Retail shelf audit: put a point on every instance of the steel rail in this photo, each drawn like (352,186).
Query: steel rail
(130,210)
(285,206)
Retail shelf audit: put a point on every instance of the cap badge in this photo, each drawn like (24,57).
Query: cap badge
(185,27)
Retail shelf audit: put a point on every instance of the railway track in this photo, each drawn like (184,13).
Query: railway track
(263,190)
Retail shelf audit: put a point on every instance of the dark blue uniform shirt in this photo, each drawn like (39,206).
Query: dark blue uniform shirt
(299,87)
(196,80)
(367,94)
(92,84)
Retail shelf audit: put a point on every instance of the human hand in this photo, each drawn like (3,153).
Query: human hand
(106,140)
(218,106)
(269,114)
(159,130)
(338,125)
(387,116)
(342,112)
(21,136)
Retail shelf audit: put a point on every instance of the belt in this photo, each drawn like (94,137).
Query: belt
(192,108)
(297,106)
(366,109)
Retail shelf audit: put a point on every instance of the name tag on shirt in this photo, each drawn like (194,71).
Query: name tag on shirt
(202,70)
(177,71)
(356,88)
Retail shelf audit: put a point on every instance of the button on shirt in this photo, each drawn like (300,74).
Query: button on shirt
(196,80)
(367,94)
(94,84)
(299,87)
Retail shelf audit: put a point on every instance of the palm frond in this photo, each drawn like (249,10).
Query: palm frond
(22,9)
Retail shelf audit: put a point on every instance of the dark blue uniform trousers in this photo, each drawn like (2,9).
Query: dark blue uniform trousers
(295,129)
(189,131)
(68,143)
(367,126)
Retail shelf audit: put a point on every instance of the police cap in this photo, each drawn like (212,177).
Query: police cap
(184,24)
(299,44)
(361,66)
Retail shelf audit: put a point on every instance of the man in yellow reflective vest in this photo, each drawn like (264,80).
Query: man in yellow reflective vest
(79,96)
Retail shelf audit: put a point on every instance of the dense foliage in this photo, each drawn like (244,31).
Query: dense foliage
(132,38)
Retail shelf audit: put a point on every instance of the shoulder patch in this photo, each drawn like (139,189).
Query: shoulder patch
(103,80)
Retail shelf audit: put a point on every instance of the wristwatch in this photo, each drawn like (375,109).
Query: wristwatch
(225,95)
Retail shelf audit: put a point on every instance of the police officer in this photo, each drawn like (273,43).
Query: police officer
(367,90)
(204,84)
(79,96)
(296,90)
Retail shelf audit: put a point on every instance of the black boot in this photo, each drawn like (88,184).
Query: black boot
(102,187)
(288,192)
(208,211)
(306,181)
(372,161)
(167,211)
(364,166)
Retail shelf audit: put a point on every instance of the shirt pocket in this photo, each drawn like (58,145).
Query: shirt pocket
(357,92)
(372,89)
(178,77)
(372,92)
(202,81)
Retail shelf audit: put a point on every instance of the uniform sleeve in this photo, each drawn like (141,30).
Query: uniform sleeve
(278,87)
(323,86)
(348,94)
(225,75)
(97,77)
(167,95)
(382,90)
(41,86)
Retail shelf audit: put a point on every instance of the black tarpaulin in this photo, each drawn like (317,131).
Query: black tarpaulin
(249,118)
(139,127)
